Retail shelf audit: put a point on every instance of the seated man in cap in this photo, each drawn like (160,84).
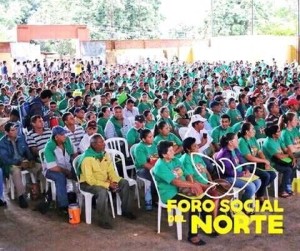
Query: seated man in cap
(59,151)
(16,156)
(133,135)
(97,175)
(293,105)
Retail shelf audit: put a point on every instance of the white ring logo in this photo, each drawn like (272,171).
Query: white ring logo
(221,169)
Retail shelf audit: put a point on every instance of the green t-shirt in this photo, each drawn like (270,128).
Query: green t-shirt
(249,111)
(290,137)
(142,153)
(150,125)
(154,111)
(169,121)
(63,104)
(133,136)
(237,127)
(164,173)
(102,122)
(235,116)
(248,146)
(260,129)
(189,169)
(143,107)
(171,137)
(218,132)
(271,147)
(214,120)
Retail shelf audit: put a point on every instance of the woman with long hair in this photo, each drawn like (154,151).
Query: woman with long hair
(282,162)
(251,152)
(229,150)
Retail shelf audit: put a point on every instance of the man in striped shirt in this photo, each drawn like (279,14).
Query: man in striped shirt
(36,140)
(74,132)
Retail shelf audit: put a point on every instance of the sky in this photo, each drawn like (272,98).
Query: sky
(183,11)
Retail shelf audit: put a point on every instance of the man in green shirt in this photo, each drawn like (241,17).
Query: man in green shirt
(220,131)
(260,123)
(133,135)
(233,113)
(214,119)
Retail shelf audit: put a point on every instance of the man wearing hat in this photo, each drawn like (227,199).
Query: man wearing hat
(293,105)
(15,157)
(59,151)
(133,135)
(196,130)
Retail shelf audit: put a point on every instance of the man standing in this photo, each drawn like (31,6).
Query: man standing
(98,175)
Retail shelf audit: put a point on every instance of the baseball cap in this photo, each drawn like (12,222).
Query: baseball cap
(92,123)
(214,103)
(196,118)
(139,118)
(292,101)
(58,130)
(3,121)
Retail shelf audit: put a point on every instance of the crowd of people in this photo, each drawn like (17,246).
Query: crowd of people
(165,111)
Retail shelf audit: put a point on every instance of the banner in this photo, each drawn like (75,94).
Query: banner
(93,49)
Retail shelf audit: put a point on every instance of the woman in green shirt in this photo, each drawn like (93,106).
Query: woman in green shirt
(169,176)
(157,105)
(200,175)
(181,118)
(150,122)
(144,104)
(162,132)
(249,149)
(273,150)
(145,157)
(188,102)
(164,114)
(290,134)
(103,117)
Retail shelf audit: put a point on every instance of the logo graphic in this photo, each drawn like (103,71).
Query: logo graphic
(221,170)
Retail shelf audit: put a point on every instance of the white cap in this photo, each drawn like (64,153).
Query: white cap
(196,118)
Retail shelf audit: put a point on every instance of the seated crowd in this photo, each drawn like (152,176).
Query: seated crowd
(165,112)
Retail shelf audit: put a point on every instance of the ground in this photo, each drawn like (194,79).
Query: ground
(30,230)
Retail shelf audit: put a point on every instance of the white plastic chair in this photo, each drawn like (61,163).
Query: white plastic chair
(11,183)
(182,131)
(115,156)
(163,205)
(48,181)
(190,113)
(89,196)
(119,144)
(141,181)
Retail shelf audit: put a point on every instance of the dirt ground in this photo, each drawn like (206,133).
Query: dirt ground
(30,230)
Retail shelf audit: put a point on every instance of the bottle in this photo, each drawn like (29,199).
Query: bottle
(148,199)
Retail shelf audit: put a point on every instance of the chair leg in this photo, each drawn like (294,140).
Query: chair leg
(88,209)
(276,185)
(137,195)
(179,225)
(158,218)
(12,188)
(119,203)
(170,213)
(53,190)
(267,193)
(111,204)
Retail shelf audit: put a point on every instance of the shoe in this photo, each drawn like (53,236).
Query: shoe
(63,210)
(284,195)
(212,235)
(129,216)
(105,225)
(291,193)
(148,206)
(198,243)
(3,203)
(23,202)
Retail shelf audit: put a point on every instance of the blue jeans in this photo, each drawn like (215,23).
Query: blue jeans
(287,176)
(61,187)
(1,184)
(249,190)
